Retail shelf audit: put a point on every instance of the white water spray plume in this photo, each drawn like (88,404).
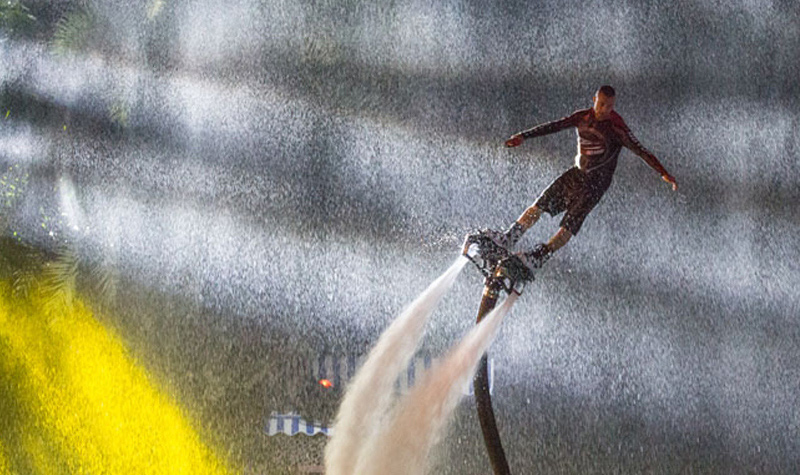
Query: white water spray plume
(369,395)
(415,425)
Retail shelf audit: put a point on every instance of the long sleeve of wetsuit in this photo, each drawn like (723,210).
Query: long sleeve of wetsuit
(632,143)
(552,127)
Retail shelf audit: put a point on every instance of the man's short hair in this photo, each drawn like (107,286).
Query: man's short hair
(607,91)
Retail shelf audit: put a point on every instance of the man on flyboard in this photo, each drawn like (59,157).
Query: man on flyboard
(601,135)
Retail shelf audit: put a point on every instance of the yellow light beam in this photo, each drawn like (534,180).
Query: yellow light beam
(73,401)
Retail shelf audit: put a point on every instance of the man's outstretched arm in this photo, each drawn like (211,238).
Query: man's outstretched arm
(543,129)
(630,141)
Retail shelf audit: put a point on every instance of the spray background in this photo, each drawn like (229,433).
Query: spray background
(267,182)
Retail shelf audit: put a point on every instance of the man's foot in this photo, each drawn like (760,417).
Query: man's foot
(535,258)
(514,234)
(525,262)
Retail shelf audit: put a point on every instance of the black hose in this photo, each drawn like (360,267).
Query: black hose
(483,400)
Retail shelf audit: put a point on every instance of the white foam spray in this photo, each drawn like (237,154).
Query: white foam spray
(415,424)
(369,395)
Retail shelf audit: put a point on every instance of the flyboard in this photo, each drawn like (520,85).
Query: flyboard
(503,272)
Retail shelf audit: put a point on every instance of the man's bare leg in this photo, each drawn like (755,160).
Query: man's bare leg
(529,217)
(558,240)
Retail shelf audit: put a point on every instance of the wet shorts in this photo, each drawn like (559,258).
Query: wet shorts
(575,192)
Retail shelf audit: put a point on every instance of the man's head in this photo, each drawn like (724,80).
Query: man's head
(604,102)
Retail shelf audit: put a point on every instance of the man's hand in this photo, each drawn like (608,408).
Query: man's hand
(671,180)
(515,140)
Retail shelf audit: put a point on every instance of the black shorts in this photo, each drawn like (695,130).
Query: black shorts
(575,192)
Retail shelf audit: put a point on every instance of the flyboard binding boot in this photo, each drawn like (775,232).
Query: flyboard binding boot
(490,251)
(523,265)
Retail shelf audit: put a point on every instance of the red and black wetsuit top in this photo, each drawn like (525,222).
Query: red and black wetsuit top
(599,141)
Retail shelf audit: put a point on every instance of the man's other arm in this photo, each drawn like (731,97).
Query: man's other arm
(631,142)
(544,129)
